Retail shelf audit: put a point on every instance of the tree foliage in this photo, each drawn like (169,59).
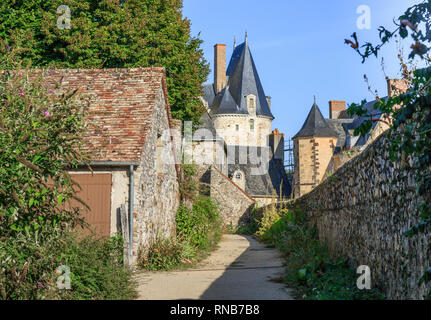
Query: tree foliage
(416,22)
(111,34)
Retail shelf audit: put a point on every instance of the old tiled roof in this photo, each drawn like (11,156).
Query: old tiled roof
(242,80)
(315,125)
(122,104)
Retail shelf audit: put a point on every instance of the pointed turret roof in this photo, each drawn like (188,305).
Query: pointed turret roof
(242,80)
(315,125)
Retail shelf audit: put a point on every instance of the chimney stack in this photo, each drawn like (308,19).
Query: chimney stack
(276,143)
(397,87)
(335,108)
(268,99)
(219,67)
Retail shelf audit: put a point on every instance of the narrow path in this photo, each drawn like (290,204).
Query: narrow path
(241,268)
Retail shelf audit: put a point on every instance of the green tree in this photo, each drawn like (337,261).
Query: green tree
(111,34)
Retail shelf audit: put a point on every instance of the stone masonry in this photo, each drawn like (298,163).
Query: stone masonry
(236,204)
(362,211)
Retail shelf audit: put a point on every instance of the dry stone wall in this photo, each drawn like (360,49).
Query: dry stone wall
(362,211)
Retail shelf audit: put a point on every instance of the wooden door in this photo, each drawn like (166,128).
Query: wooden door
(96,193)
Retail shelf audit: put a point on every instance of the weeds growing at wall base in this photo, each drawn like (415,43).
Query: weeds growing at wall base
(310,268)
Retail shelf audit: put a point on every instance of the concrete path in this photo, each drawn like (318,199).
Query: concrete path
(241,268)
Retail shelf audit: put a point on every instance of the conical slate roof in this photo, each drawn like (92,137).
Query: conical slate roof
(243,80)
(315,125)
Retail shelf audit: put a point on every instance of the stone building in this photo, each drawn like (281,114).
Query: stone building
(324,145)
(129,125)
(239,114)
(313,148)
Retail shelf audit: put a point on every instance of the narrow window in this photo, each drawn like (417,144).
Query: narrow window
(251,124)
(237,127)
(251,102)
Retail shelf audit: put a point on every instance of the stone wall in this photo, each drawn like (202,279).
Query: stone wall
(234,203)
(362,211)
(157,196)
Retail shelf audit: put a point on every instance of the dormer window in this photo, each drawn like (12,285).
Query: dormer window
(251,103)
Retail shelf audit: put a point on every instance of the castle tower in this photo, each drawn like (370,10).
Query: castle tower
(313,148)
(240,110)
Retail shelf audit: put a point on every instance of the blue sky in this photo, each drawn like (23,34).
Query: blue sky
(299,50)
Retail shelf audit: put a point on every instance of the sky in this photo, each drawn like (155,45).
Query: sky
(299,50)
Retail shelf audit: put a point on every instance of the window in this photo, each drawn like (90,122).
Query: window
(238,176)
(251,103)
(237,127)
(251,124)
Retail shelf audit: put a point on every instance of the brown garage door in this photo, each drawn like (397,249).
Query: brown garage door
(96,193)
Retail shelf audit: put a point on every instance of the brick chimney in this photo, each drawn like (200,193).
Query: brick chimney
(335,108)
(397,87)
(219,67)
(276,143)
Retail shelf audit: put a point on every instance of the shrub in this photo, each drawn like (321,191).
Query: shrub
(167,254)
(28,267)
(41,137)
(252,227)
(198,230)
(309,265)
(200,226)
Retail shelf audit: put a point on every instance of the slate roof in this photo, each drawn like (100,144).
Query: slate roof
(357,121)
(340,128)
(206,123)
(315,125)
(121,108)
(209,93)
(247,159)
(242,80)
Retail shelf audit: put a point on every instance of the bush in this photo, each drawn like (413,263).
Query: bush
(41,137)
(28,267)
(167,254)
(310,267)
(198,231)
(201,226)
